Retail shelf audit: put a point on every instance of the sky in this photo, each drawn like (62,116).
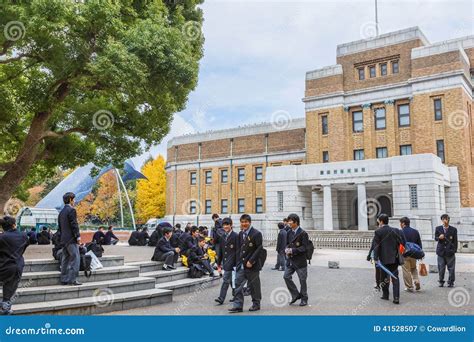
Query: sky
(256,53)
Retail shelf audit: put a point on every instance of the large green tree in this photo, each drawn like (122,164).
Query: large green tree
(90,80)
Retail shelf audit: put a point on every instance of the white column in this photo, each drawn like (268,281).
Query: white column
(328,223)
(362,207)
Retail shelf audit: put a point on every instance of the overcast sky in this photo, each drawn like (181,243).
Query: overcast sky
(256,52)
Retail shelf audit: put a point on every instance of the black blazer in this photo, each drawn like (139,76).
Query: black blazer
(99,237)
(448,246)
(133,240)
(229,251)
(143,238)
(250,249)
(12,246)
(298,244)
(163,246)
(281,240)
(68,226)
(386,242)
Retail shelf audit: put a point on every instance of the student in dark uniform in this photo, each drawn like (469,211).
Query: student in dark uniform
(447,237)
(143,237)
(280,247)
(110,238)
(296,260)
(70,238)
(12,246)
(183,239)
(99,236)
(164,251)
(175,238)
(248,265)
(228,244)
(133,240)
(32,236)
(386,250)
(44,238)
(198,255)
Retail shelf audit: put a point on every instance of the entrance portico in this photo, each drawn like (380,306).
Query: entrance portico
(350,195)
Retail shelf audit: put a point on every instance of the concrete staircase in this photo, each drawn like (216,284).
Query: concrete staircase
(341,239)
(116,287)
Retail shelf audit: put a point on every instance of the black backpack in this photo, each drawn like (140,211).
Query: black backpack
(85,265)
(95,248)
(309,251)
(195,271)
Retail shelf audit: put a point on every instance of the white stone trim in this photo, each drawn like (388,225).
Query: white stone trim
(262,128)
(443,47)
(324,72)
(382,40)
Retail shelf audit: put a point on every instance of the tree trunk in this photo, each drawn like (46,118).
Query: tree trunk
(25,159)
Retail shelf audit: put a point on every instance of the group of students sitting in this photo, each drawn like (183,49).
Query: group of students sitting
(43,237)
(107,239)
(193,245)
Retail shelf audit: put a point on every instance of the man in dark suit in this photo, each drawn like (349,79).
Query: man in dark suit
(410,272)
(248,265)
(99,236)
(280,247)
(110,238)
(386,250)
(12,247)
(228,249)
(199,256)
(143,237)
(184,240)
(164,251)
(133,239)
(296,253)
(44,238)
(70,238)
(447,237)
(32,236)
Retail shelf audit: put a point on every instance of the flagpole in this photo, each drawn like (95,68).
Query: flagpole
(128,200)
(120,196)
(376,20)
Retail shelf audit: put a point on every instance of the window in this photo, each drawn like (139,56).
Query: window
(241,175)
(258,173)
(372,71)
(405,150)
(224,175)
(192,207)
(395,67)
(361,72)
(383,69)
(325,157)
(224,206)
(437,109)
(259,205)
(280,200)
(404,115)
(358,154)
(381,152)
(208,207)
(241,205)
(380,121)
(324,124)
(296,163)
(413,197)
(440,149)
(208,177)
(357,121)
(192,178)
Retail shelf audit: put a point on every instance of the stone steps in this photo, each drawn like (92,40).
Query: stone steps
(187,285)
(167,276)
(45,265)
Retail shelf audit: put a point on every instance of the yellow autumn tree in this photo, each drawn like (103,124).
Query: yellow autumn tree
(151,196)
(84,208)
(105,202)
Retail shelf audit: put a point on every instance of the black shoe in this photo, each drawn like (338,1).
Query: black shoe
(171,267)
(64,283)
(232,300)
(396,301)
(384,298)
(450,285)
(441,285)
(235,310)
(75,283)
(304,302)
(219,301)
(293,300)
(166,268)
(254,308)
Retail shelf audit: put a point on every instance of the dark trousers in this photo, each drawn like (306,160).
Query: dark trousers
(378,276)
(226,282)
(281,260)
(206,264)
(386,281)
(70,262)
(10,284)
(290,284)
(253,283)
(450,263)
(170,258)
